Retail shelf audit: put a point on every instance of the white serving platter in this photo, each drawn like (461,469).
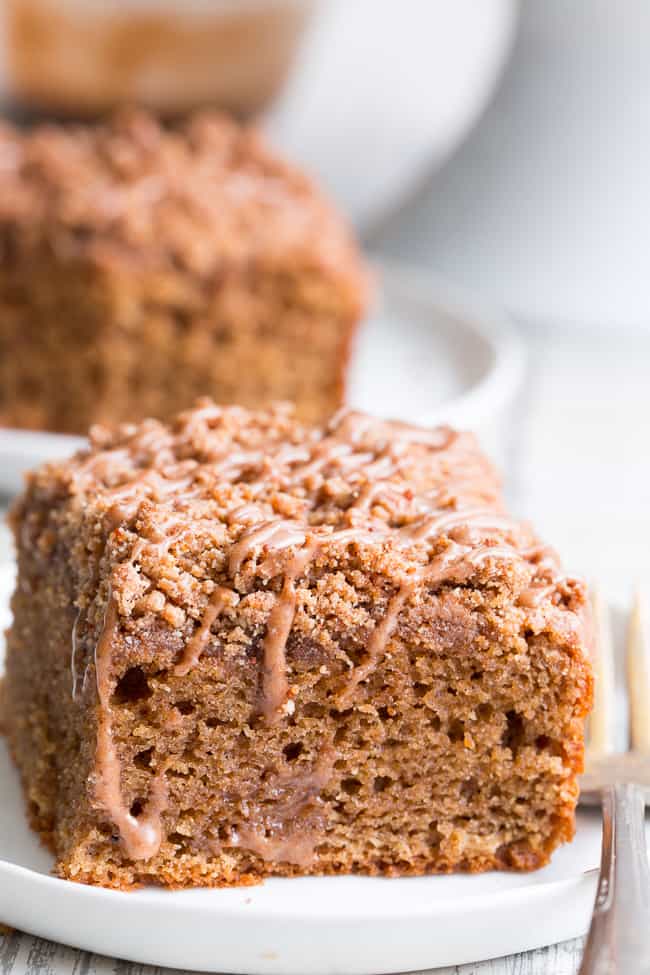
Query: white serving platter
(423,355)
(310,926)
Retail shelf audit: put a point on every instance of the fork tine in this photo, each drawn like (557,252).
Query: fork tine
(638,674)
(601,731)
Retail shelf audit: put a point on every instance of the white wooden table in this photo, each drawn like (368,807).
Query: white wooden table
(580,467)
(24,955)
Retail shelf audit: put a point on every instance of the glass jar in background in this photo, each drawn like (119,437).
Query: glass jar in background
(82,57)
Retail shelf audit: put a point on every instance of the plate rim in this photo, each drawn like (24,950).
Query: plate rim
(151,896)
(493,326)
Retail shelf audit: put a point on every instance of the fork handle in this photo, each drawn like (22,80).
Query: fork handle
(618,942)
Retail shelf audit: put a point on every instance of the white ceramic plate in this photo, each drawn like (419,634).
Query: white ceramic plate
(383,91)
(422,356)
(310,926)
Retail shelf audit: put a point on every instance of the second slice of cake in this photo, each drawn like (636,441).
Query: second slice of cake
(245,647)
(143,266)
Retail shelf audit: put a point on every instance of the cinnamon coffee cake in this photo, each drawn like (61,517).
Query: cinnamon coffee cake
(143,266)
(243,646)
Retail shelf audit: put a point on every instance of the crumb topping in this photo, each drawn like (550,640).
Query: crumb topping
(253,484)
(201,196)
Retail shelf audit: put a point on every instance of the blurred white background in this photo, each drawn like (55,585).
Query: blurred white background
(383,91)
(546,206)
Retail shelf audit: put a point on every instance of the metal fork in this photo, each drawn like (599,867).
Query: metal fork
(618,942)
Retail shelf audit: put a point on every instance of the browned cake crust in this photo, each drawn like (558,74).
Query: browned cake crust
(244,647)
(143,266)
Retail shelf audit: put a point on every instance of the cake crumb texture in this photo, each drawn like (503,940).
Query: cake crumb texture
(244,646)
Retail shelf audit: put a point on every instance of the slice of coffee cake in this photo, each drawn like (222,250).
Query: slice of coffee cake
(143,266)
(245,647)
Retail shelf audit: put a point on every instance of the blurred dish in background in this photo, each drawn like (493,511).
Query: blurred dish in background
(383,91)
(380,92)
(545,207)
(423,356)
(82,57)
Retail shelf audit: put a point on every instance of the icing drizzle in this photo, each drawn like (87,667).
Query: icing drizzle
(140,836)
(291,829)
(397,482)
(194,647)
